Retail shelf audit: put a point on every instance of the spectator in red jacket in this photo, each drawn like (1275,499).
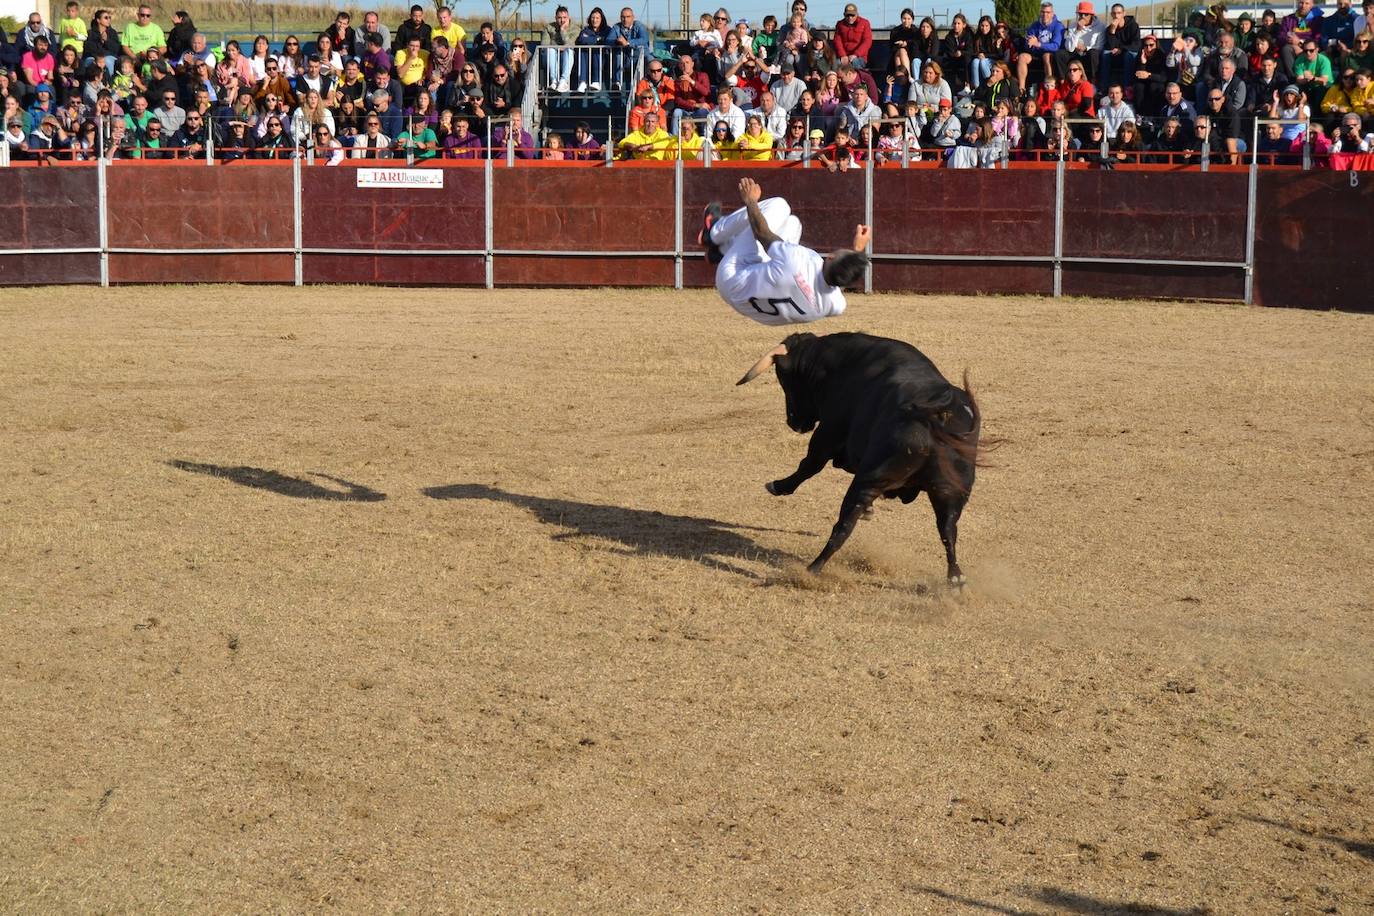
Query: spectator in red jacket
(1077,92)
(692,94)
(853,39)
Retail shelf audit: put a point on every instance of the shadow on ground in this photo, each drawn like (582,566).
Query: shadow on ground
(643,532)
(281,484)
(1361,848)
(1063,901)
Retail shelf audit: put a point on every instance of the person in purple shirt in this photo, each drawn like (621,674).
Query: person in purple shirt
(584,145)
(376,60)
(462,143)
(1303,24)
(1043,38)
(514,133)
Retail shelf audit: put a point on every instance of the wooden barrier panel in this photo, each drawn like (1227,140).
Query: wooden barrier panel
(615,209)
(49,208)
(989,213)
(829,205)
(1167,216)
(338,214)
(190,205)
(1312,240)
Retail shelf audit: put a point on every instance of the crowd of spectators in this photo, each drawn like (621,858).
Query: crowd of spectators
(90,88)
(1093,87)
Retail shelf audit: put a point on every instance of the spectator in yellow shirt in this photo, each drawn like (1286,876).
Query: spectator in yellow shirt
(454,32)
(756,144)
(412,67)
(689,142)
(649,142)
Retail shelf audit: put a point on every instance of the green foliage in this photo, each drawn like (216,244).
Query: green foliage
(10,25)
(1017,13)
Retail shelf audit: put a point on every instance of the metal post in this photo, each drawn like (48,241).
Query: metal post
(103,218)
(677,219)
(1207,149)
(296,212)
(1306,146)
(510,147)
(209,145)
(610,147)
(1250,217)
(868,211)
(487,221)
(806,145)
(1059,224)
(5,151)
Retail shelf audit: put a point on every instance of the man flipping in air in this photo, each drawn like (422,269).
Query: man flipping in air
(765,273)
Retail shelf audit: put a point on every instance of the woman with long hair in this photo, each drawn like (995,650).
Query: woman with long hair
(1031,130)
(292,59)
(956,51)
(330,61)
(1006,128)
(722,142)
(985,52)
(898,86)
(261,55)
(820,57)
(900,42)
(590,61)
(926,46)
(422,110)
(1125,146)
(830,95)
(275,143)
(309,115)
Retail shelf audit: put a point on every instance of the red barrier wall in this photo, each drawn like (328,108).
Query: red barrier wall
(828,204)
(1174,216)
(1312,240)
(616,209)
(49,208)
(159,207)
(336,213)
(1002,213)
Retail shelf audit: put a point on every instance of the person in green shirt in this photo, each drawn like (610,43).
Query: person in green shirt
(1312,72)
(418,136)
(143,34)
(72,28)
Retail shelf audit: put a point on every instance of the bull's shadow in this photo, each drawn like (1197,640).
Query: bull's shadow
(643,532)
(281,484)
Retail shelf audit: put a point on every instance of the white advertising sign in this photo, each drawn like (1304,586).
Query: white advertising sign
(400,178)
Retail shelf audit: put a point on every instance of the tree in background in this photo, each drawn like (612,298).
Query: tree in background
(1017,13)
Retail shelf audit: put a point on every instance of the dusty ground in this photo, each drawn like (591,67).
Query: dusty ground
(511,624)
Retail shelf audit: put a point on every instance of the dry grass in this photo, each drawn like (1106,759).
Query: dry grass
(557,654)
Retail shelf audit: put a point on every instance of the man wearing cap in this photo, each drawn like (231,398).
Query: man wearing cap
(47,138)
(763,271)
(787,89)
(1083,42)
(853,41)
(414,27)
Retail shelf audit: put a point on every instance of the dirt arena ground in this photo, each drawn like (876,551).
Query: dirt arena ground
(387,600)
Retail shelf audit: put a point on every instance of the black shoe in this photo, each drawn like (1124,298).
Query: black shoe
(709,217)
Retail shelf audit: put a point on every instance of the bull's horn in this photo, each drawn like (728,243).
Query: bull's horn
(764,362)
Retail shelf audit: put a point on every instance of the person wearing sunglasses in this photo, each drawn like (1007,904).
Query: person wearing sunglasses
(328,151)
(1312,72)
(102,44)
(273,83)
(292,58)
(142,34)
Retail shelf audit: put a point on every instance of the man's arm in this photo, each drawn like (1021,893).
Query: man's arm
(750,193)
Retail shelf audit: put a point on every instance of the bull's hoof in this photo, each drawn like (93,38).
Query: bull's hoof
(773,488)
(957,582)
(867,513)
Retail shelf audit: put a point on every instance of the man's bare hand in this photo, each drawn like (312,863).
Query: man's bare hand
(862,236)
(749,191)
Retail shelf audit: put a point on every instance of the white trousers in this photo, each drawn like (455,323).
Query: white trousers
(741,250)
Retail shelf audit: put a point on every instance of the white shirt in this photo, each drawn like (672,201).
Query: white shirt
(1090,36)
(775,123)
(1114,116)
(785,289)
(734,117)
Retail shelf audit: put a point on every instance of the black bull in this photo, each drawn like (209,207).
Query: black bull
(883,412)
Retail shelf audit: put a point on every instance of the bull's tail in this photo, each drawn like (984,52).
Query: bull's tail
(957,425)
